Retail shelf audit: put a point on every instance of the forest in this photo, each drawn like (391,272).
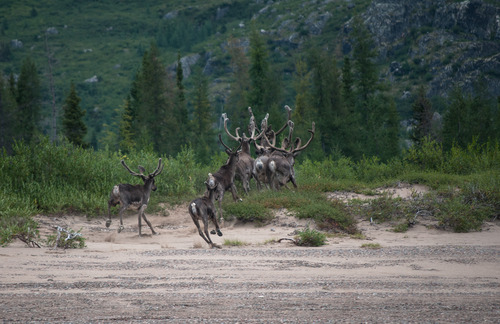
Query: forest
(360,140)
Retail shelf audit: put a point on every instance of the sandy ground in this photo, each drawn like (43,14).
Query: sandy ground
(423,275)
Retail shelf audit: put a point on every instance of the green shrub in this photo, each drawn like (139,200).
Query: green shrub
(66,239)
(427,156)
(247,212)
(22,228)
(331,216)
(310,237)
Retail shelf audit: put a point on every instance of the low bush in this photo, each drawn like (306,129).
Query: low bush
(310,237)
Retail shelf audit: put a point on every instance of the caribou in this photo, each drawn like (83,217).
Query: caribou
(280,166)
(204,209)
(136,195)
(245,166)
(264,150)
(224,177)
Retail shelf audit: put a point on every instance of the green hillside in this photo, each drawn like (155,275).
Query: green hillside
(104,42)
(107,39)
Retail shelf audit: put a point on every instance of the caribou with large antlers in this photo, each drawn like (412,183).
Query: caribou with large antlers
(137,195)
(280,165)
(225,175)
(245,165)
(264,149)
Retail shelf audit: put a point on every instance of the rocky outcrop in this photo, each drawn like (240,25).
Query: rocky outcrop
(444,43)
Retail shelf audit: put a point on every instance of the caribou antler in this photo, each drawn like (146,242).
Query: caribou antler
(228,149)
(237,137)
(158,170)
(289,113)
(297,147)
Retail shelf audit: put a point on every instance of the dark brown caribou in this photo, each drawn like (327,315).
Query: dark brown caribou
(137,195)
(203,209)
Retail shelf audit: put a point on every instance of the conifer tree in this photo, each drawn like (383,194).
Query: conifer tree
(377,114)
(126,129)
(73,126)
(304,112)
(180,104)
(422,114)
(203,142)
(259,71)
(28,99)
(330,111)
(237,104)
(8,120)
(156,123)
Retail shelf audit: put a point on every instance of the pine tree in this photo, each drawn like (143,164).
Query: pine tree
(156,122)
(181,111)
(352,122)
(330,111)
(73,126)
(455,120)
(8,121)
(363,55)
(237,104)
(304,112)
(28,99)
(422,114)
(126,129)
(377,115)
(202,120)
(259,71)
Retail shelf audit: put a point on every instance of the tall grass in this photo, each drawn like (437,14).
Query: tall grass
(48,178)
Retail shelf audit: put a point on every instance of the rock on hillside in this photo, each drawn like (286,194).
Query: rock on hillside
(437,41)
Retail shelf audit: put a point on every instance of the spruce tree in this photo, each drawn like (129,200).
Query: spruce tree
(28,99)
(8,121)
(156,123)
(126,129)
(422,115)
(73,126)
(328,102)
(455,120)
(203,139)
(259,71)
(181,112)
(237,103)
(377,115)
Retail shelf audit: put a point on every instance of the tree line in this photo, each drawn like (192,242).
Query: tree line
(355,114)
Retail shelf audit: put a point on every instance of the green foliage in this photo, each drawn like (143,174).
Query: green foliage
(28,97)
(66,239)
(427,156)
(371,246)
(330,216)
(21,227)
(248,212)
(310,237)
(73,127)
(228,242)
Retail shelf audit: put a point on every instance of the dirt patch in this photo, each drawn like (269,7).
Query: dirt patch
(419,276)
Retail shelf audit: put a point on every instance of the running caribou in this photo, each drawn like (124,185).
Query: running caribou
(245,165)
(204,209)
(224,177)
(136,195)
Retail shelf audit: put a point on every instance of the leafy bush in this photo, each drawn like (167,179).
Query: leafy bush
(427,156)
(66,239)
(247,212)
(22,228)
(328,215)
(310,237)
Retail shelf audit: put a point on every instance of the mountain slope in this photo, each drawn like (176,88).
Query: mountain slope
(99,44)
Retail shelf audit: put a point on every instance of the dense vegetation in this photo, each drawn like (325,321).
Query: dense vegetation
(45,178)
(67,160)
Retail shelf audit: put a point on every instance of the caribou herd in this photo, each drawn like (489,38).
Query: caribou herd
(272,168)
